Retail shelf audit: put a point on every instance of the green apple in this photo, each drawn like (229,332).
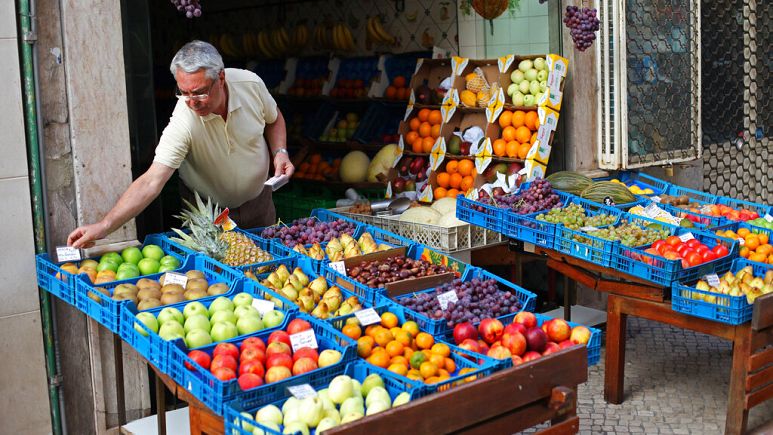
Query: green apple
(167,268)
(271,425)
(402,399)
(171,330)
(269,414)
(220,304)
(242,299)
(168,260)
(244,425)
(194,308)
(328,357)
(523,87)
(107,264)
(373,380)
(525,65)
(516,77)
(528,100)
(223,316)
(222,331)
(518,99)
(197,338)
(512,89)
(126,273)
(148,266)
(153,251)
(248,325)
(132,255)
(149,320)
(116,257)
(530,75)
(273,318)
(540,63)
(170,313)
(246,311)
(542,76)
(534,88)
(199,321)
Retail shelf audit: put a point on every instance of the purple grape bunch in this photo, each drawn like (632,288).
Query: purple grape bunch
(583,23)
(307,231)
(538,196)
(477,300)
(192,8)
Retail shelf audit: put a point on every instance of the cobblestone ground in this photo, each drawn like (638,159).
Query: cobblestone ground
(676,382)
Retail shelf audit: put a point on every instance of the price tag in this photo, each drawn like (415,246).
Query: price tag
(175,278)
(588,229)
(651,210)
(339,267)
(655,199)
(263,306)
(686,236)
(303,339)
(768,217)
(367,316)
(741,241)
(712,279)
(302,391)
(67,253)
(446,298)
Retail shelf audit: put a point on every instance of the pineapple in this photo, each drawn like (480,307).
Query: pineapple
(476,81)
(229,247)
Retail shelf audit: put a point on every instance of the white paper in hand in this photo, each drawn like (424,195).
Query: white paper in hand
(67,253)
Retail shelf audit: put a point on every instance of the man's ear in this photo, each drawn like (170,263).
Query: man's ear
(221,75)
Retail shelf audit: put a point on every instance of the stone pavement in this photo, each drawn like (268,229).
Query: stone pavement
(676,382)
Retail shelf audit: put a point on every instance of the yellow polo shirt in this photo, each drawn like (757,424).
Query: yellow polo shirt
(225,160)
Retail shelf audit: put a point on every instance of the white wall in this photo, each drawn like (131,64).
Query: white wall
(23,397)
(523,32)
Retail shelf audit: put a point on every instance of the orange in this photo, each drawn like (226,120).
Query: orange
(433,380)
(441,349)
(370,330)
(452,193)
(425,130)
(499,146)
(758,257)
(466,167)
(744,252)
(412,328)
(391,92)
(508,134)
(383,337)
(449,365)
(518,118)
(398,82)
(424,115)
(438,360)
(443,374)
(512,149)
(531,121)
(743,232)
(379,359)
(389,320)
(400,369)
(468,370)
(752,242)
(770,259)
(364,347)
(424,340)
(765,249)
(522,134)
(403,337)
(399,359)
(410,137)
(452,167)
(456,180)
(408,352)
(352,331)
(435,131)
(443,179)
(394,348)
(414,375)
(427,143)
(467,183)
(427,369)
(764,238)
(418,144)
(533,138)
(435,117)
(414,124)
(439,192)
(523,150)
(505,119)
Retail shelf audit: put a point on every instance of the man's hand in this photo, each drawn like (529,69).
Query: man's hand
(283,165)
(83,237)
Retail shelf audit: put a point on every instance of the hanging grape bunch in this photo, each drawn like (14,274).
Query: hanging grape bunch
(583,25)
(192,8)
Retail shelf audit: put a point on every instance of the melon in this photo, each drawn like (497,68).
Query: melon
(354,167)
(450,220)
(445,205)
(382,162)
(420,215)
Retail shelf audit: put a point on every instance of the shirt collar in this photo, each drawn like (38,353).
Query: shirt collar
(234,101)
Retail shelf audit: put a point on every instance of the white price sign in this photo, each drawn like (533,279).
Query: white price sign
(712,279)
(263,306)
(368,316)
(651,210)
(175,278)
(588,229)
(67,253)
(339,267)
(302,391)
(446,298)
(303,339)
(686,236)
(655,199)
(768,217)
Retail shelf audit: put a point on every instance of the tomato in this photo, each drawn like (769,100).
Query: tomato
(708,256)
(673,241)
(693,243)
(720,250)
(702,248)
(681,250)
(658,246)
(694,259)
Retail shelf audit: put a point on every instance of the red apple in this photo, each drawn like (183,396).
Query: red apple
(544,326)
(306,352)
(253,342)
(527,319)
(551,347)
(304,365)
(297,325)
(199,357)
(278,347)
(280,336)
(515,342)
(226,349)
(517,360)
(529,356)
(470,345)
(515,327)
(566,343)
(536,339)
(249,381)
(279,359)
(224,373)
(490,330)
(277,373)
(463,331)
(252,353)
(483,346)
(255,367)
(499,352)
(559,330)
(223,361)
(580,335)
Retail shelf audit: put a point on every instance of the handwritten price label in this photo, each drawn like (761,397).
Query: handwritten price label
(302,391)
(303,339)
(768,217)
(339,267)
(446,298)
(686,236)
(175,278)
(367,316)
(262,306)
(67,253)
(712,279)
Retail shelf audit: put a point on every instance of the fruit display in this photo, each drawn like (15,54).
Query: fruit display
(652,211)
(315,167)
(344,399)
(574,216)
(256,362)
(528,82)
(424,94)
(423,130)
(634,188)
(761,222)
(692,252)
(130,263)
(477,299)
(583,23)
(522,340)
(233,248)
(342,129)
(199,325)
(309,230)
(376,34)
(398,89)
(519,132)
(742,283)
(457,176)
(537,197)
(310,77)
(410,171)
(629,234)
(349,88)
(717,210)
(478,91)
(148,293)
(754,246)
(379,273)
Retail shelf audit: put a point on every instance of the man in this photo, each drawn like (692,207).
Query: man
(216,139)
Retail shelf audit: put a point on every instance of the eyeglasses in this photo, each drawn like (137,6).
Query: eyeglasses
(195,97)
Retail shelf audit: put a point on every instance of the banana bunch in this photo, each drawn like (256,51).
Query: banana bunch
(229,47)
(322,39)
(376,33)
(343,40)
(250,44)
(299,38)
(280,41)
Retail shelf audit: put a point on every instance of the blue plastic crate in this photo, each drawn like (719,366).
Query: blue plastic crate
(439,328)
(733,310)
(481,366)
(235,422)
(738,204)
(321,215)
(62,284)
(693,195)
(640,180)
(698,219)
(108,311)
(735,226)
(589,248)
(215,393)
(480,214)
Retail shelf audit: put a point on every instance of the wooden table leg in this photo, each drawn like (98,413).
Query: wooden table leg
(160,406)
(737,414)
(194,418)
(614,371)
(119,391)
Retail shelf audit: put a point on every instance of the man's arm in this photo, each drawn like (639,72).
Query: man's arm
(277,140)
(141,192)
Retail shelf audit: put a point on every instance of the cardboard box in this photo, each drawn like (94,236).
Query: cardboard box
(556,68)
(433,72)
(463,66)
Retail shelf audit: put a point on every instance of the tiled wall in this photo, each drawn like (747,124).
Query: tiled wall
(23,398)
(525,31)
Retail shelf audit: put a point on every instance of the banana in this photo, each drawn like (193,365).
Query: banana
(318,41)
(302,36)
(372,35)
(284,38)
(347,33)
(337,41)
(265,44)
(276,42)
(225,47)
(383,35)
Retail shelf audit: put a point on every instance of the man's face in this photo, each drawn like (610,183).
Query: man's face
(205,92)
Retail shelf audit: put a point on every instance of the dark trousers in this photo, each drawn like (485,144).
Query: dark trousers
(257,212)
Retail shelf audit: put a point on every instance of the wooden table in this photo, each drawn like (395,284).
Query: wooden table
(751,376)
(507,401)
